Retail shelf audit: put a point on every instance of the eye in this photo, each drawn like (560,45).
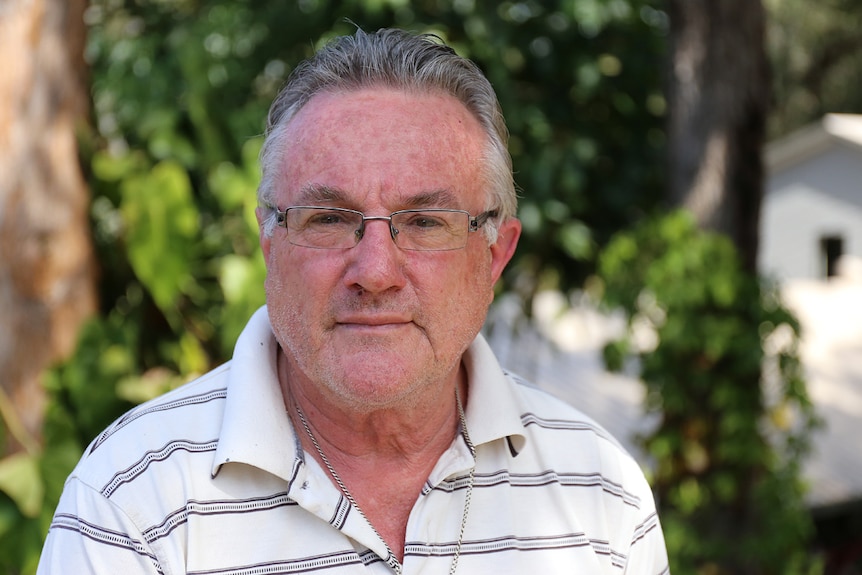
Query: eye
(326,218)
(330,218)
(426,222)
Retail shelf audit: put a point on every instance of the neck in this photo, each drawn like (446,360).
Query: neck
(357,448)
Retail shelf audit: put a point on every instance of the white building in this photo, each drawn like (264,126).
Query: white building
(811,230)
(811,215)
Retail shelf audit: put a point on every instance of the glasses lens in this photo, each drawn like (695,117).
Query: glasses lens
(323,227)
(431,230)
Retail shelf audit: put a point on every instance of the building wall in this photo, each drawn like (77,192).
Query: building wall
(803,204)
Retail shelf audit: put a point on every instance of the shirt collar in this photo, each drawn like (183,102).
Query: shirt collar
(257,431)
(492,409)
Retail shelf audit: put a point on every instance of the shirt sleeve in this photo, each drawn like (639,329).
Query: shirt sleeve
(647,551)
(90,535)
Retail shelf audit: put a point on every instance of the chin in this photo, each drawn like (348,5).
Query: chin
(378,391)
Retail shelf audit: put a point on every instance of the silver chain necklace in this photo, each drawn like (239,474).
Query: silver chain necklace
(391,560)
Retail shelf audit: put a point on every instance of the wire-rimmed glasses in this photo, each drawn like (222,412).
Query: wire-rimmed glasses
(430,229)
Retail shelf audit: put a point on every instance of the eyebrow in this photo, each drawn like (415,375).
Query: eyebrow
(315,194)
(436,199)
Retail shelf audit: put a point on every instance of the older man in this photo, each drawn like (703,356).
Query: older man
(363,425)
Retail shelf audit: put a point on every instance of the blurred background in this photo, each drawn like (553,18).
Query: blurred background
(690,272)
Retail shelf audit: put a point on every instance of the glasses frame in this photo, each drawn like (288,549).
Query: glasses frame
(474,223)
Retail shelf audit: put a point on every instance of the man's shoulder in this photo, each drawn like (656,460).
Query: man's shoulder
(183,421)
(552,418)
(546,403)
(579,450)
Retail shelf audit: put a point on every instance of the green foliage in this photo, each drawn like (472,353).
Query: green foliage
(718,354)
(20,480)
(580,84)
(161,231)
(816,56)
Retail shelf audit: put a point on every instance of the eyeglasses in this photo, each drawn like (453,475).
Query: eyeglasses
(430,229)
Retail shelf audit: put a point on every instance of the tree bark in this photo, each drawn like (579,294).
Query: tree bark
(47,267)
(718,103)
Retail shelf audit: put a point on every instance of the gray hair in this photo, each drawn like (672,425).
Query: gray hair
(398,59)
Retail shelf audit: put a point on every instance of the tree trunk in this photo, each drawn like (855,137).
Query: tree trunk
(718,103)
(47,279)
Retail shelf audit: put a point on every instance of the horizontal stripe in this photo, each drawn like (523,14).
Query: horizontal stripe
(566,425)
(103,536)
(150,408)
(320,563)
(220,507)
(541,479)
(141,466)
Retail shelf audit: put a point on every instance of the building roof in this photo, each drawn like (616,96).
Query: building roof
(814,139)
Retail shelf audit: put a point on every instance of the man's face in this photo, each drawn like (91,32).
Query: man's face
(373,325)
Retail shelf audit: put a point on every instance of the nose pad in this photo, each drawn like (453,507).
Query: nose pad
(360,231)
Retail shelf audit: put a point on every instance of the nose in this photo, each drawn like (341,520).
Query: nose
(375,263)
(365,219)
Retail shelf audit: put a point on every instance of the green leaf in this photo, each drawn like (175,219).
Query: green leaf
(138,389)
(21,481)
(576,239)
(113,168)
(162,227)
(241,281)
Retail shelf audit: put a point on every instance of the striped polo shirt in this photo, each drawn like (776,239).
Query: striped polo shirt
(211,479)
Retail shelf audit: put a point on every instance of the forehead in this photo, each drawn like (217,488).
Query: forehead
(383,145)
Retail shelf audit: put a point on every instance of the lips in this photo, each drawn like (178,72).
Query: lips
(373,320)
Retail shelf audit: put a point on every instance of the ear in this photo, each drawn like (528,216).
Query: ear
(503,249)
(265,240)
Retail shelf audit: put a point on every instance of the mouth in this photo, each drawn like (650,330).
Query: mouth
(374,322)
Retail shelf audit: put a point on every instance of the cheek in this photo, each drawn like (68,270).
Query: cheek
(460,300)
(481,291)
(291,290)
(297,273)
(279,300)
